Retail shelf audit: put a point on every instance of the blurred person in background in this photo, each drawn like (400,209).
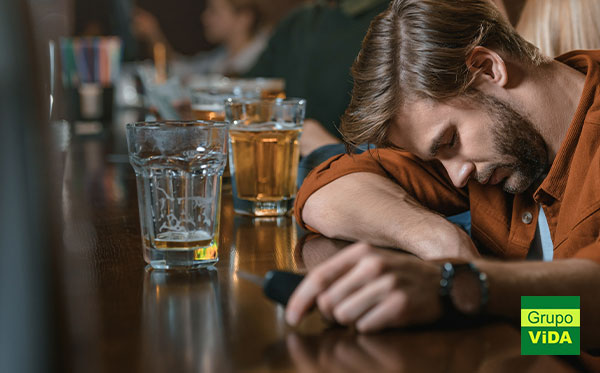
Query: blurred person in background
(313,50)
(239,28)
(559,26)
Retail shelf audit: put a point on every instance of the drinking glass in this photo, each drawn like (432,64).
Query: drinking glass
(179,167)
(264,153)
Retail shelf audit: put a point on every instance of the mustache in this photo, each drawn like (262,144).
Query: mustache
(482,176)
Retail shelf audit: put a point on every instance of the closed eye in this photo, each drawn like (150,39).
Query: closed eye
(446,139)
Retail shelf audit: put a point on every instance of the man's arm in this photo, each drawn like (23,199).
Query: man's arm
(375,289)
(509,281)
(314,136)
(369,207)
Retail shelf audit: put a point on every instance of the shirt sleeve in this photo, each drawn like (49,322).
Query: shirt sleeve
(427,182)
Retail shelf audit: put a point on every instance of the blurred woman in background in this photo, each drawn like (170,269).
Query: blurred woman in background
(559,26)
(239,28)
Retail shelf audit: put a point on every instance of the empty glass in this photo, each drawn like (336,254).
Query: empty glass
(179,167)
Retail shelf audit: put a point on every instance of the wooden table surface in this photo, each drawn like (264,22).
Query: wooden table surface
(120,316)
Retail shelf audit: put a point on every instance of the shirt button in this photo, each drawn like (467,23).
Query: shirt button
(527,217)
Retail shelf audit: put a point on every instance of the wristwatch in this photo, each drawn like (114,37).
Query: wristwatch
(464,290)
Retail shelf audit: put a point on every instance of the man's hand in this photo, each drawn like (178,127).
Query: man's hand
(314,136)
(371,289)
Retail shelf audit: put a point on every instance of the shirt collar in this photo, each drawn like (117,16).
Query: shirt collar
(586,62)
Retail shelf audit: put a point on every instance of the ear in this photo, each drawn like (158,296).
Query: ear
(487,66)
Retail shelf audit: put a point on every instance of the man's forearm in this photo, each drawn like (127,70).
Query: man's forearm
(372,208)
(509,281)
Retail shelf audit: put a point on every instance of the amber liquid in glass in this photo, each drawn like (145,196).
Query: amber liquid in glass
(165,241)
(208,112)
(272,93)
(265,162)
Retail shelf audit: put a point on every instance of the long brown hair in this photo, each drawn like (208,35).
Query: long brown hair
(419,49)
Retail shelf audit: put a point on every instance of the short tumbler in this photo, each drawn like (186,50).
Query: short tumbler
(264,153)
(179,167)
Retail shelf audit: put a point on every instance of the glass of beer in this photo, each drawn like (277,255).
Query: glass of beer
(264,153)
(209,105)
(271,87)
(179,167)
(268,88)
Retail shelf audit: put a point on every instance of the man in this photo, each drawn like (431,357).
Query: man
(490,126)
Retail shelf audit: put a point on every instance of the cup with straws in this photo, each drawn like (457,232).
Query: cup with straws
(90,67)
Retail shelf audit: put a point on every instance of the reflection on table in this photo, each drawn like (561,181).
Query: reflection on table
(182,321)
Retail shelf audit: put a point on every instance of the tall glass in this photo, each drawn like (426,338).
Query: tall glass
(179,166)
(208,99)
(267,88)
(264,153)
(209,105)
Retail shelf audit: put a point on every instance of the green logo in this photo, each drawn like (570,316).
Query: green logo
(550,326)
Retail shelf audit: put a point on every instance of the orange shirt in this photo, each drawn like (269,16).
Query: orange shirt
(504,224)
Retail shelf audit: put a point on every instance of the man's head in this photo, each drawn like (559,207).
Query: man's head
(432,78)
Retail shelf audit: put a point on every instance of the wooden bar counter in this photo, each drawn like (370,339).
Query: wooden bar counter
(120,316)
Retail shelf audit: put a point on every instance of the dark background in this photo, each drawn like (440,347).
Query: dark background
(179,20)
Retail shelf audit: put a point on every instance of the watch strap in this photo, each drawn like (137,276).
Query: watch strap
(448,272)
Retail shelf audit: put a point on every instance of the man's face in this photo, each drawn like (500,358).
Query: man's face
(477,137)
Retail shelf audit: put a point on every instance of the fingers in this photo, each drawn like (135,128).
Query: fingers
(390,312)
(365,271)
(319,280)
(353,306)
(369,288)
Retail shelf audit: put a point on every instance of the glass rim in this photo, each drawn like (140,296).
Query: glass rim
(173,123)
(214,92)
(227,85)
(279,101)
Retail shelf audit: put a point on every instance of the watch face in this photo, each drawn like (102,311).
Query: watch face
(466,291)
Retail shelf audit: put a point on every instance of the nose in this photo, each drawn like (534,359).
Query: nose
(459,172)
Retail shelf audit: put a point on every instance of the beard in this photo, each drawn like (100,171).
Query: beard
(518,142)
